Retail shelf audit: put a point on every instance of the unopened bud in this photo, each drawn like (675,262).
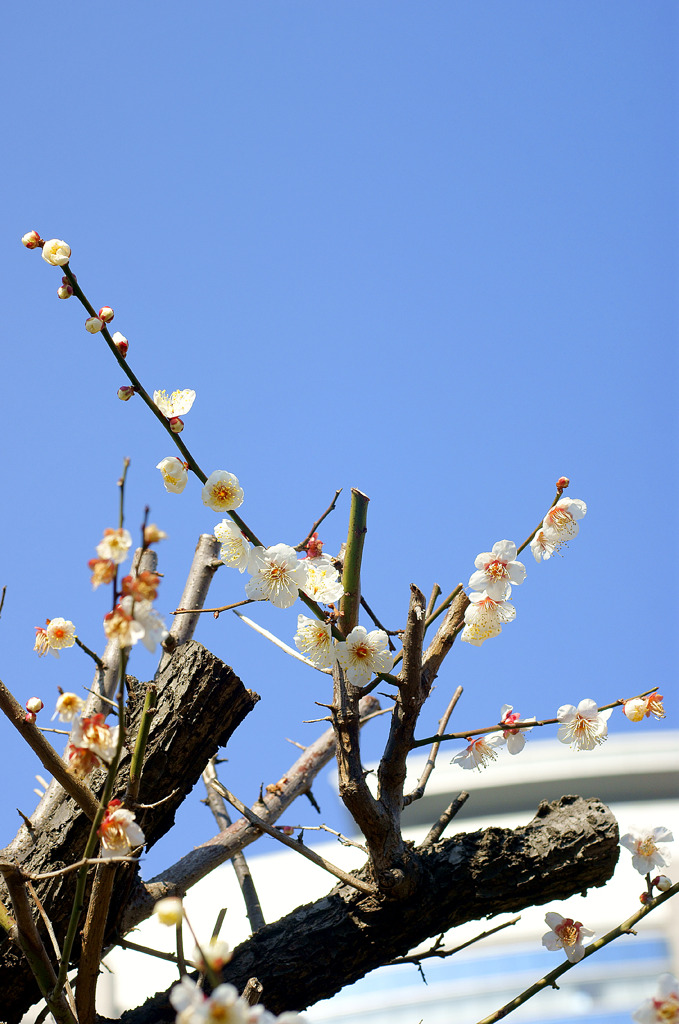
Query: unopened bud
(169,911)
(645,898)
(125,392)
(120,342)
(287,830)
(29,717)
(176,424)
(31,239)
(106,314)
(93,324)
(663,883)
(635,709)
(152,534)
(65,291)
(34,704)
(562,483)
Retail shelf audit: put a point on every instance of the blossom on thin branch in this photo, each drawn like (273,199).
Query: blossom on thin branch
(643,844)
(277,575)
(638,708)
(484,617)
(94,736)
(57,634)
(68,706)
(103,571)
(497,571)
(364,654)
(176,404)
(584,727)
(566,934)
(558,527)
(516,738)
(313,639)
(235,549)
(323,583)
(480,751)
(119,832)
(222,492)
(115,545)
(55,251)
(175,474)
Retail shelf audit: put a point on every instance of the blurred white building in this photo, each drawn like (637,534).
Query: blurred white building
(636,774)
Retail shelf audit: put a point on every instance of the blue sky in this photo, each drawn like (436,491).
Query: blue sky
(428,250)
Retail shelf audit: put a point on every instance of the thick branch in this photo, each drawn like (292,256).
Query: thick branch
(319,948)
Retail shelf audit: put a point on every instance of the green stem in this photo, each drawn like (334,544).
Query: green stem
(140,744)
(351,578)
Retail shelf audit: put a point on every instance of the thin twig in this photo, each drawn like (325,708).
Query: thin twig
(433,597)
(95,657)
(2,598)
(329,509)
(418,792)
(279,643)
(171,957)
(326,828)
(529,538)
(438,828)
(389,632)
(92,942)
(625,928)
(435,950)
(53,938)
(216,804)
(356,883)
(216,611)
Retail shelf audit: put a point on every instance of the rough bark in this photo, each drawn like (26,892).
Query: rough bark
(200,703)
(316,950)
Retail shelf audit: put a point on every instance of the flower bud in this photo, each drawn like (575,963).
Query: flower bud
(287,830)
(152,534)
(93,324)
(34,704)
(645,898)
(121,343)
(125,392)
(663,883)
(169,911)
(29,717)
(106,314)
(56,252)
(635,709)
(176,424)
(31,240)
(562,483)
(65,291)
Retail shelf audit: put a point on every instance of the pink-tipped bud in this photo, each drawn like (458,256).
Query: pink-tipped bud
(663,883)
(33,705)
(121,343)
(176,424)
(106,314)
(31,240)
(65,291)
(93,324)
(125,392)
(645,898)
(287,830)
(29,717)
(562,483)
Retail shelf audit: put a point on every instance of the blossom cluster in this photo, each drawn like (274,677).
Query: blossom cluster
(497,571)
(223,1004)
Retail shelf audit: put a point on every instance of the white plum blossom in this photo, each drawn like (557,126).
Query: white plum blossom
(149,621)
(516,738)
(566,934)
(217,953)
(57,634)
(584,727)
(484,617)
(638,708)
(169,911)
(313,639)
(497,571)
(115,545)
(323,583)
(194,1007)
(222,492)
(542,546)
(176,404)
(56,252)
(561,524)
(643,844)
(364,654)
(480,751)
(175,474)
(95,735)
(119,832)
(68,705)
(235,549)
(277,575)
(663,1008)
